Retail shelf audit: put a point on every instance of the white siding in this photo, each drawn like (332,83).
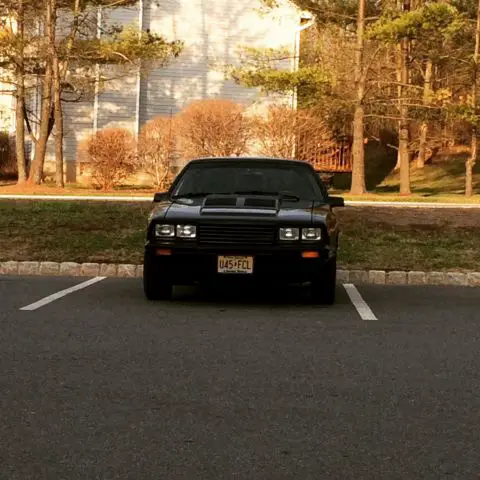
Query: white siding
(7,107)
(7,97)
(77,126)
(212,31)
(117,101)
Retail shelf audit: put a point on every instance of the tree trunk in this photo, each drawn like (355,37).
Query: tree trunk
(36,172)
(57,89)
(20,96)
(427,89)
(422,145)
(398,71)
(358,186)
(358,152)
(470,163)
(403,140)
(472,160)
(58,128)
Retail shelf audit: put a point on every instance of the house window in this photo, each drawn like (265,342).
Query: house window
(4,120)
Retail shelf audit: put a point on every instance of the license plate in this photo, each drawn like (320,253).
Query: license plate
(227,264)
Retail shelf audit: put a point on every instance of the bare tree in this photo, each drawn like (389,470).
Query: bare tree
(20,94)
(78,50)
(358,186)
(157,148)
(471,161)
(287,133)
(57,96)
(427,91)
(404,123)
(36,170)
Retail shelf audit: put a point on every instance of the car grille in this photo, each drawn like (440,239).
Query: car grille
(236,234)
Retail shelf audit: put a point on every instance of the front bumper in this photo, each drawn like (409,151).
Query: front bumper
(189,265)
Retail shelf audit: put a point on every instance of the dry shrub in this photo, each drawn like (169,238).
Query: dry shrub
(211,128)
(156,149)
(111,154)
(287,133)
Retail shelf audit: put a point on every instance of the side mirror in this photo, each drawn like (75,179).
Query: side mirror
(160,197)
(336,202)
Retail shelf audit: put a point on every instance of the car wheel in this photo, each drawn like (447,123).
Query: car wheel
(156,283)
(323,288)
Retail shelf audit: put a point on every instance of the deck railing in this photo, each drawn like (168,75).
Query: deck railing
(328,158)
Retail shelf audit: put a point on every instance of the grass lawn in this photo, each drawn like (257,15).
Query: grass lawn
(76,231)
(414,198)
(409,247)
(114,233)
(9,187)
(442,181)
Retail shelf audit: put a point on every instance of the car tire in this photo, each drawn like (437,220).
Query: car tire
(156,284)
(324,287)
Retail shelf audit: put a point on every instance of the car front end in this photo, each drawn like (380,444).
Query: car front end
(255,221)
(210,250)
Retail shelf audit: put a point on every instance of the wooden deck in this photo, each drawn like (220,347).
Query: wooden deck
(335,158)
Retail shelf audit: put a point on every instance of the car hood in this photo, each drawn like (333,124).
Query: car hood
(244,208)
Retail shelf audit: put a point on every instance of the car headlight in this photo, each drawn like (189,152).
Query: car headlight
(164,230)
(311,233)
(186,231)
(289,234)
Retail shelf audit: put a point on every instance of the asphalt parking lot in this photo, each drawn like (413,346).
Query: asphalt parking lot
(101,384)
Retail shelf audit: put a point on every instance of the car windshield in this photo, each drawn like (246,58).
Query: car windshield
(291,181)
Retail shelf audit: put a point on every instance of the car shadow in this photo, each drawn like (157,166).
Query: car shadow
(252,297)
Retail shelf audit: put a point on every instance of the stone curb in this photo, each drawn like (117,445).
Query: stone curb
(372,277)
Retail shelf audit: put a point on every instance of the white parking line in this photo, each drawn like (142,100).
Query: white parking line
(61,293)
(359,303)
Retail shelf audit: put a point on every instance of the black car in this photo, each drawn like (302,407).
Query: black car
(244,219)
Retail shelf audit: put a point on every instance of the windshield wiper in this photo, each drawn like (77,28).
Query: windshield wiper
(195,194)
(283,196)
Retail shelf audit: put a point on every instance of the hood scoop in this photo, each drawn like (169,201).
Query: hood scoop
(261,202)
(219,201)
(240,205)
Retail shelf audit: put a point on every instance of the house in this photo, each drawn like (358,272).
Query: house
(7,97)
(211,30)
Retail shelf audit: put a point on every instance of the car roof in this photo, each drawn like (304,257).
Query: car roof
(258,159)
